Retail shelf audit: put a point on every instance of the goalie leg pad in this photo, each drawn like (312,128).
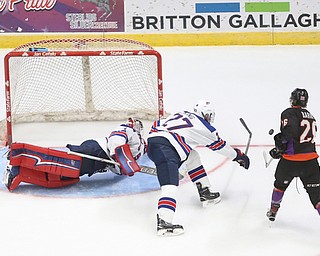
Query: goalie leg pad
(45,160)
(128,164)
(41,179)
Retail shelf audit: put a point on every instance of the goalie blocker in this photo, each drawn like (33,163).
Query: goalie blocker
(53,168)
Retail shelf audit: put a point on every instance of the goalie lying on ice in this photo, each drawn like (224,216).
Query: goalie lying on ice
(53,168)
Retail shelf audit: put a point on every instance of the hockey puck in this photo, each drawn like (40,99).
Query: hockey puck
(271,131)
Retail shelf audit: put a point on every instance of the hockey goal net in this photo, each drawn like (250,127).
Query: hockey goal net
(82,80)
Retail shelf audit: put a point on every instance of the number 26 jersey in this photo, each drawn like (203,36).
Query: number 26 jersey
(298,128)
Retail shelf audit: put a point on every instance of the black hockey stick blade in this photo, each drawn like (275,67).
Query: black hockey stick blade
(250,134)
(246,127)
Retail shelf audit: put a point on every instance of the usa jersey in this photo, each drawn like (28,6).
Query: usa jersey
(298,128)
(186,130)
(124,134)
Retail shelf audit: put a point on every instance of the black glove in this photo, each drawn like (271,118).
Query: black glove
(242,159)
(280,142)
(275,153)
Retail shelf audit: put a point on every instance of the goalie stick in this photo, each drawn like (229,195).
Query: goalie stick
(250,134)
(92,157)
(144,169)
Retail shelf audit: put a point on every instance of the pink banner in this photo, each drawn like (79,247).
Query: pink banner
(61,16)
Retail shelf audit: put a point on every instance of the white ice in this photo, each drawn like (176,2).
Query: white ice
(252,82)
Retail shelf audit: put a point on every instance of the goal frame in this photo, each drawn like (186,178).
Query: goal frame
(65,53)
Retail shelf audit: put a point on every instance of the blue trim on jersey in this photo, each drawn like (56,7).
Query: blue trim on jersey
(217,145)
(126,125)
(181,140)
(205,123)
(120,134)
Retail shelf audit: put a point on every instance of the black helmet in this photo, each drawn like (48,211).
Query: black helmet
(299,98)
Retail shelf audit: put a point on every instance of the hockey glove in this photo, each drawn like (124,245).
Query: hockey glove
(242,159)
(280,142)
(275,153)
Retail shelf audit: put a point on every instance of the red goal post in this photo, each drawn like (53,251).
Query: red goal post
(82,80)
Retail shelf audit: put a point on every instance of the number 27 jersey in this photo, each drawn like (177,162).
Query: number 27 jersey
(186,130)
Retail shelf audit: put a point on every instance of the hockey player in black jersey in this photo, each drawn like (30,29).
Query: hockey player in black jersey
(295,147)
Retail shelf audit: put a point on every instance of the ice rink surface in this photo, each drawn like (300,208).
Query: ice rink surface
(113,215)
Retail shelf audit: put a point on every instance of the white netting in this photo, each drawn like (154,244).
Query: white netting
(85,85)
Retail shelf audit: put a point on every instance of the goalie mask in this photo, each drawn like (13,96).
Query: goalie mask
(136,124)
(299,98)
(205,109)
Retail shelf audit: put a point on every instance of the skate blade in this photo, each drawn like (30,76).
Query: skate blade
(207,202)
(175,232)
(271,223)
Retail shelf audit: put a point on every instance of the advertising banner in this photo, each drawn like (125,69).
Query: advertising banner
(169,22)
(223,16)
(62,16)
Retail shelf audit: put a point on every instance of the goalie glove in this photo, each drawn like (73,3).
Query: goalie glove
(242,159)
(128,164)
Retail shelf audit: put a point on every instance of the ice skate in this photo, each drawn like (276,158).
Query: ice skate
(206,196)
(167,229)
(272,213)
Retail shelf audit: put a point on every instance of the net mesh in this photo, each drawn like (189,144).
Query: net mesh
(85,85)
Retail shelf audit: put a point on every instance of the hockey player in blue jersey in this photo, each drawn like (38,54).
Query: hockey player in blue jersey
(171,142)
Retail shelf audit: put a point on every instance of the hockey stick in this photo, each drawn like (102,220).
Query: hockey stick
(250,134)
(92,157)
(144,169)
(266,161)
(246,150)
(265,155)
